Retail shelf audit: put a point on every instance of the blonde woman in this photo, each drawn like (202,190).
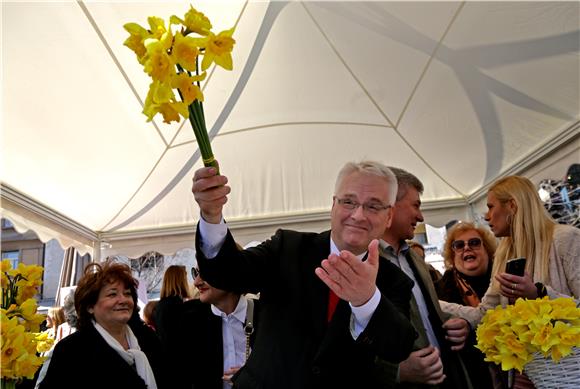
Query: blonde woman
(468,252)
(552,251)
(517,216)
(54,319)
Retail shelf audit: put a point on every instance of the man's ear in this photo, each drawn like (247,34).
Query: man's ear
(389,217)
(91,310)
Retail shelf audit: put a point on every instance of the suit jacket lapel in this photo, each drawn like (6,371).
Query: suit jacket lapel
(318,291)
(426,283)
(215,334)
(429,295)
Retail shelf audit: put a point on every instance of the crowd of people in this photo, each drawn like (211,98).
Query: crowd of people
(356,306)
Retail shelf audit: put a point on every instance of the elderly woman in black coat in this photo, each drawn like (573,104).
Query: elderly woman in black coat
(112,348)
(468,254)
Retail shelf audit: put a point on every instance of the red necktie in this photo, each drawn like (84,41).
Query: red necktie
(332,302)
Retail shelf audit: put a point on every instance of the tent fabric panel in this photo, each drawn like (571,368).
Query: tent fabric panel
(46,229)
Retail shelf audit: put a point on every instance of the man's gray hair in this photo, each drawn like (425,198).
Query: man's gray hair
(406,180)
(371,168)
(70,313)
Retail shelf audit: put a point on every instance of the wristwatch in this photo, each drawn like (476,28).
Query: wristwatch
(542,291)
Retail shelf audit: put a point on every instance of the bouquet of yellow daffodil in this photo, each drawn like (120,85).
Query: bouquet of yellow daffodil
(170,55)
(514,335)
(20,323)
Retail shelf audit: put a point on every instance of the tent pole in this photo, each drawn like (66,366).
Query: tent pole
(97,250)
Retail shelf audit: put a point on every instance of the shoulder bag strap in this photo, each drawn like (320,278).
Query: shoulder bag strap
(249,325)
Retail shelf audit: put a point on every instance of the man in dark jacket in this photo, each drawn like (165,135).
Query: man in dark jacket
(329,304)
(434,360)
(208,339)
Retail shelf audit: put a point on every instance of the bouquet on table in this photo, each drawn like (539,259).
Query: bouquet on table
(170,55)
(20,324)
(530,331)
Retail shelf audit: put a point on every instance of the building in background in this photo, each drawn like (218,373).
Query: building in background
(26,248)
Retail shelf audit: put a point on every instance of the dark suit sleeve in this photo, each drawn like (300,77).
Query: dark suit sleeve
(240,271)
(389,333)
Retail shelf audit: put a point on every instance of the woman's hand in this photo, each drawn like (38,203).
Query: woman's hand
(514,287)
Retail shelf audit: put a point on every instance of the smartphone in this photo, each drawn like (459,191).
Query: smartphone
(516,266)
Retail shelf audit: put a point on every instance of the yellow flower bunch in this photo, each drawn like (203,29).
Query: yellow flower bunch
(510,336)
(170,55)
(19,322)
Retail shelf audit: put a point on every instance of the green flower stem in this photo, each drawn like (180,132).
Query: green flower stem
(8,383)
(197,120)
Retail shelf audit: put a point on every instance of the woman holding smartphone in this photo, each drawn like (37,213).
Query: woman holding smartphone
(517,216)
(552,251)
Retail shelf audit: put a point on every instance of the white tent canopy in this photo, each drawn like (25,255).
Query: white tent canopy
(457,93)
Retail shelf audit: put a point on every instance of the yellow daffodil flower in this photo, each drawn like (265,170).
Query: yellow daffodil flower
(218,49)
(136,40)
(158,63)
(156,27)
(186,85)
(161,99)
(165,52)
(44,342)
(185,52)
(565,309)
(6,265)
(194,21)
(28,308)
(510,336)
(19,321)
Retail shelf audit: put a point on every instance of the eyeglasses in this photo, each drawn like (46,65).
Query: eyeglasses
(372,207)
(194,272)
(473,243)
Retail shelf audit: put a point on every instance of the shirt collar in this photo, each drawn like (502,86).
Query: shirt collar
(239,313)
(335,250)
(386,246)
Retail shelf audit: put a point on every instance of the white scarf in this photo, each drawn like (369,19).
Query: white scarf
(132,356)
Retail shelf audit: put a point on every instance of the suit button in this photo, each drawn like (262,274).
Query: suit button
(315,370)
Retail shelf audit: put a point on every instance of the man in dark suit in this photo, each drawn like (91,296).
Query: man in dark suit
(206,339)
(304,339)
(435,360)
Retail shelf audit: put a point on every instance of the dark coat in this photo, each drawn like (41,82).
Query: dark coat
(295,345)
(454,366)
(192,337)
(85,360)
(447,290)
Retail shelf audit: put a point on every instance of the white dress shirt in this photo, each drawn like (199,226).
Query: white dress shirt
(401,261)
(233,336)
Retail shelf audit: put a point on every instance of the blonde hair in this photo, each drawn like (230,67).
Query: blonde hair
(175,282)
(489,242)
(531,228)
(56,314)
